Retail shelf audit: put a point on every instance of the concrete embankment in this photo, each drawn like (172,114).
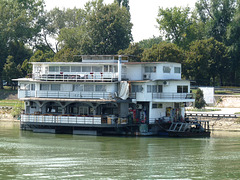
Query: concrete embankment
(216,119)
(229,124)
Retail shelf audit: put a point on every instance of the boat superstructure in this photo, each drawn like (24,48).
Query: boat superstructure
(103,94)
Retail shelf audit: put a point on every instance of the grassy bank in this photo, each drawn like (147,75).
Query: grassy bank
(10,102)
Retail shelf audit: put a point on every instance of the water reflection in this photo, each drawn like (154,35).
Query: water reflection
(51,156)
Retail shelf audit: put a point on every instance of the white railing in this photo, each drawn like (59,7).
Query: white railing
(60,119)
(68,95)
(77,77)
(172,96)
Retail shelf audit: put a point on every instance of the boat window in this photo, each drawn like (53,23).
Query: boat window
(86,69)
(88,87)
(76,69)
(101,88)
(157,105)
(177,70)
(24,86)
(44,87)
(108,68)
(150,69)
(66,87)
(137,88)
(182,89)
(96,69)
(166,69)
(32,87)
(154,88)
(65,68)
(78,87)
(105,68)
(55,87)
(53,68)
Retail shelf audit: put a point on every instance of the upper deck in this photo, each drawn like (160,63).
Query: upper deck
(104,69)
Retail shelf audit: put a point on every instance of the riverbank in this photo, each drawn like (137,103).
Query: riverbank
(5,115)
(220,123)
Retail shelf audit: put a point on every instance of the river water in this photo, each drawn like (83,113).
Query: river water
(27,155)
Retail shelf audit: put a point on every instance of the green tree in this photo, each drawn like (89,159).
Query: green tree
(20,23)
(67,55)
(107,30)
(208,62)
(148,43)
(217,15)
(199,99)
(233,38)
(57,19)
(10,71)
(134,51)
(178,25)
(164,52)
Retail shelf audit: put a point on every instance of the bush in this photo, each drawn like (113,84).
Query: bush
(17,109)
(199,100)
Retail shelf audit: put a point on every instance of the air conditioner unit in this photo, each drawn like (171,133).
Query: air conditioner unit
(146,76)
(139,106)
(166,83)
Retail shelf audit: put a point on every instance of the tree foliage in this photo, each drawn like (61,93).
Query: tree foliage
(134,51)
(178,25)
(148,43)
(163,52)
(199,99)
(20,23)
(10,70)
(208,62)
(107,30)
(217,15)
(56,20)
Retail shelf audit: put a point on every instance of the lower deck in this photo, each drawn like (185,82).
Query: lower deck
(90,129)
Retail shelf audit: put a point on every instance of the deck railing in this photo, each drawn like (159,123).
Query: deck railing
(65,94)
(166,95)
(60,119)
(172,96)
(83,77)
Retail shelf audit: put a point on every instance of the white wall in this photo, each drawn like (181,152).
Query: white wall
(155,113)
(134,72)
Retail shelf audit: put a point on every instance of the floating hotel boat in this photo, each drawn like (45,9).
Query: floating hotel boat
(102,95)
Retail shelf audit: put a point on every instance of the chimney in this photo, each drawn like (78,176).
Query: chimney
(119,68)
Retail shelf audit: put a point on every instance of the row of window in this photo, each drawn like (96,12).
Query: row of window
(157,89)
(105,68)
(98,88)
(166,69)
(74,87)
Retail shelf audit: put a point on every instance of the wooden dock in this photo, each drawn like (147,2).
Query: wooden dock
(211,115)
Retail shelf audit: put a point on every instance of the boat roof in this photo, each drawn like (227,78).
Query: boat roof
(102,63)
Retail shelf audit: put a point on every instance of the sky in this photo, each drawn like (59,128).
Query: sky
(143,13)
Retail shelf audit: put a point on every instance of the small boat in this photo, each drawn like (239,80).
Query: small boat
(193,128)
